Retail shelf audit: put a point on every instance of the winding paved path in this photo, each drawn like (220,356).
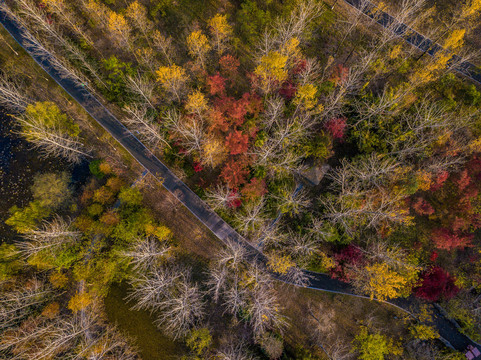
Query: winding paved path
(185,195)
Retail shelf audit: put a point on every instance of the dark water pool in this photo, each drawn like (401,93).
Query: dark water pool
(19,163)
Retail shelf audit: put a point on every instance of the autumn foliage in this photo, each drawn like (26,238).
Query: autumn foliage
(336,127)
(436,284)
(237,142)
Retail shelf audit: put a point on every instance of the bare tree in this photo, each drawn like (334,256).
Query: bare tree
(53,235)
(164,45)
(296,276)
(234,351)
(64,12)
(143,87)
(168,292)
(183,309)
(364,197)
(264,310)
(148,291)
(302,247)
(291,201)
(20,301)
(51,141)
(142,122)
(109,343)
(148,253)
(251,218)
(221,197)
(189,130)
(40,338)
(296,24)
(279,159)
(11,96)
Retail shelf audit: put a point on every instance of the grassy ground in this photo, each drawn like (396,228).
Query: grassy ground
(138,326)
(332,320)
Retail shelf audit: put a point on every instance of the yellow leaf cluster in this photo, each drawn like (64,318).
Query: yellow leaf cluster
(79,301)
(219,26)
(424,180)
(196,102)
(160,232)
(52,4)
(197,43)
(291,48)
(51,310)
(383,282)
(471,9)
(306,96)
(272,67)
(395,52)
(213,151)
(280,264)
(168,75)
(117,23)
(327,262)
(455,40)
(136,12)
(428,73)
(58,280)
(424,332)
(475,145)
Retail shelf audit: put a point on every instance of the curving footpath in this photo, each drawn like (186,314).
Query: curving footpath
(448,331)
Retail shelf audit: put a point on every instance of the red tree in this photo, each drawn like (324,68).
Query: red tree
(237,142)
(216,84)
(300,66)
(439,180)
(340,74)
(218,120)
(449,240)
(464,180)
(254,189)
(228,65)
(235,172)
(436,284)
(422,207)
(336,127)
(349,255)
(288,90)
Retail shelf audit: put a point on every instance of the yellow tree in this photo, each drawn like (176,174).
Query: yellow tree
(291,49)
(306,96)
(137,14)
(196,103)
(381,282)
(455,40)
(271,70)
(173,79)
(198,46)
(98,12)
(472,8)
(80,301)
(280,264)
(119,29)
(221,31)
(213,152)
